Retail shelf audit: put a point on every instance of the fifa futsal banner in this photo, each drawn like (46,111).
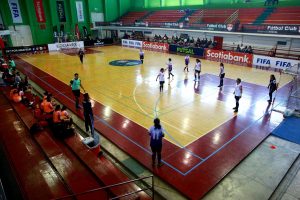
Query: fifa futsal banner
(65,45)
(273,62)
(156,46)
(15,11)
(39,11)
(79,9)
(60,8)
(132,43)
(186,50)
(237,58)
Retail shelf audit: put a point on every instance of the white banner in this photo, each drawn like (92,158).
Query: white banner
(15,11)
(132,43)
(79,9)
(273,62)
(65,45)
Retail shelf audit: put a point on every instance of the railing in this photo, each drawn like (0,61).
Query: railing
(232,18)
(105,188)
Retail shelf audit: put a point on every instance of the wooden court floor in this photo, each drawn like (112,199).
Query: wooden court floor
(188,110)
(205,139)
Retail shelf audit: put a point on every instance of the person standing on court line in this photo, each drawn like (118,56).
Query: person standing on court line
(156,133)
(197,69)
(221,75)
(88,114)
(161,77)
(141,56)
(237,94)
(272,87)
(81,54)
(75,83)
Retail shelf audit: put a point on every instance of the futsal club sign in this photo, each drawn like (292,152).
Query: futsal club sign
(229,57)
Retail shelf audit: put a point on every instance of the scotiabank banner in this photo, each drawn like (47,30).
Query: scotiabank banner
(157,46)
(231,57)
(273,62)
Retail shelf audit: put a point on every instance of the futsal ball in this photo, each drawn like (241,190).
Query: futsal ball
(288,113)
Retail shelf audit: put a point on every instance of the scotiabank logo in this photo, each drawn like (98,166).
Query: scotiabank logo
(229,56)
(156,46)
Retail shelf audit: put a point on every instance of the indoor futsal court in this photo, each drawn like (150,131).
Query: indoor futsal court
(205,139)
(149,99)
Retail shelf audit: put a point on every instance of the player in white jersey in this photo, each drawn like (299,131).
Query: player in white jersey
(221,75)
(197,69)
(170,68)
(186,61)
(141,56)
(161,77)
(237,94)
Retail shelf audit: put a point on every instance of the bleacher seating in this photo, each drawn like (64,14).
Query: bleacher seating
(249,15)
(216,16)
(165,16)
(289,15)
(131,17)
(196,17)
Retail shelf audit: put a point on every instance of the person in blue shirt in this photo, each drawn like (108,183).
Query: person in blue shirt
(75,83)
(156,133)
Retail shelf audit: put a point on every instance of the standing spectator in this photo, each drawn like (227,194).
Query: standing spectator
(237,94)
(76,85)
(221,75)
(156,133)
(238,48)
(272,87)
(88,114)
(81,54)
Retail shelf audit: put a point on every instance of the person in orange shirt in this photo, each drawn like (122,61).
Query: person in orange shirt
(16,97)
(47,106)
(57,115)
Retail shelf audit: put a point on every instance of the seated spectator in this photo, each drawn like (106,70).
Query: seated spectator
(65,117)
(17,79)
(12,64)
(56,115)
(250,50)
(16,97)
(165,37)
(48,106)
(244,50)
(238,48)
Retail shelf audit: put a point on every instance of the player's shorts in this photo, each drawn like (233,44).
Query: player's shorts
(197,71)
(76,93)
(141,57)
(161,82)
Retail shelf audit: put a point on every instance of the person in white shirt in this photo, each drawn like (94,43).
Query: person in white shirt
(237,94)
(197,69)
(161,77)
(221,75)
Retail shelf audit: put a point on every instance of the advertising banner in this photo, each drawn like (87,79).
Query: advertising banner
(26,49)
(60,8)
(186,50)
(79,9)
(214,27)
(132,43)
(15,11)
(231,57)
(66,45)
(39,11)
(273,62)
(157,46)
(272,29)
